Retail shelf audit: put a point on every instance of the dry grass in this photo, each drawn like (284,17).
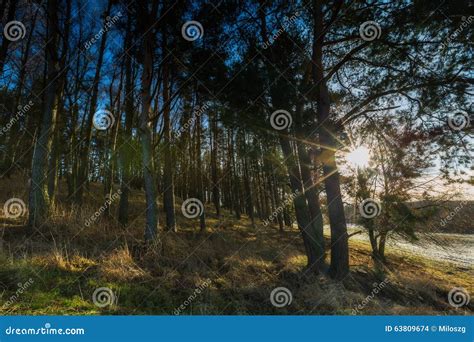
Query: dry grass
(68,261)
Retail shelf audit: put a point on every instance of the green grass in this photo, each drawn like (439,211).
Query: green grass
(67,262)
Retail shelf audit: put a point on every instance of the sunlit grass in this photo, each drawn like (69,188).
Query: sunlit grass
(243,264)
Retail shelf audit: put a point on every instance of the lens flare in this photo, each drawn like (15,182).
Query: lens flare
(359,157)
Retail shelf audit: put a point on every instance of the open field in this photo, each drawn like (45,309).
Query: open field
(454,248)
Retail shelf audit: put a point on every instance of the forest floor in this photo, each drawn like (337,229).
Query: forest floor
(230,269)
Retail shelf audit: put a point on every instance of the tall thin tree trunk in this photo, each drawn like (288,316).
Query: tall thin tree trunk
(199,185)
(110,158)
(310,189)
(13,149)
(39,201)
(53,172)
(303,217)
(145,22)
(247,183)
(214,134)
(276,199)
(53,165)
(236,189)
(84,159)
(339,238)
(125,154)
(168,181)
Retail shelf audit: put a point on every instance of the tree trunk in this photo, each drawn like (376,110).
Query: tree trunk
(53,163)
(146,31)
(214,168)
(53,172)
(85,153)
(168,181)
(248,188)
(111,152)
(39,201)
(13,149)
(126,136)
(382,241)
(339,239)
(276,199)
(303,218)
(236,189)
(199,185)
(313,203)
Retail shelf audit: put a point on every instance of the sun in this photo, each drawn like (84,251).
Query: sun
(359,157)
